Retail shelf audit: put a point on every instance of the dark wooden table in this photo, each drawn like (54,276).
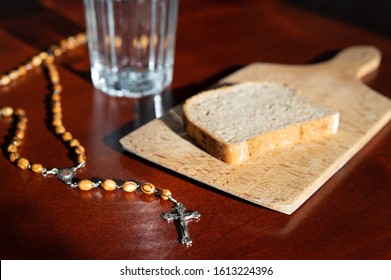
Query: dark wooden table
(41,218)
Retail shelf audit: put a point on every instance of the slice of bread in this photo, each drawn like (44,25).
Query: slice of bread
(236,123)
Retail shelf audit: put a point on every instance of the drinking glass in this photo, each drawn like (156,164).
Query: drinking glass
(131,45)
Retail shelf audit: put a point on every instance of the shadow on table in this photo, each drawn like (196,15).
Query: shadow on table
(155,106)
(370,15)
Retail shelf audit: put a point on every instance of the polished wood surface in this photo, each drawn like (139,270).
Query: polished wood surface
(41,218)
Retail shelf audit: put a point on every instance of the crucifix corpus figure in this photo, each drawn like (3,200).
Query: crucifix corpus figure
(180,215)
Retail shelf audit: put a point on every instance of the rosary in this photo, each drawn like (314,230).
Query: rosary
(67,175)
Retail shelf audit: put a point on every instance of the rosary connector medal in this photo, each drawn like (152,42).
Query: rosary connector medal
(67,175)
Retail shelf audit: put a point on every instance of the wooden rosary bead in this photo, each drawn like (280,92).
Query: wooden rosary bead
(56,122)
(79,150)
(148,188)
(23,163)
(129,186)
(12,148)
(85,185)
(81,38)
(5,80)
(55,78)
(49,59)
(14,74)
(7,111)
(43,55)
(165,194)
(66,136)
(20,133)
(21,125)
(81,159)
(54,49)
(56,108)
(71,43)
(74,143)
(56,97)
(16,141)
(57,116)
(64,44)
(56,90)
(37,168)
(109,185)
(22,70)
(14,156)
(36,61)
(20,112)
(23,119)
(59,129)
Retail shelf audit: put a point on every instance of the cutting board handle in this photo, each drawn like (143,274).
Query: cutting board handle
(356,61)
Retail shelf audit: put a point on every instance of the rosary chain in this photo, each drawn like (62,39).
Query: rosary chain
(46,60)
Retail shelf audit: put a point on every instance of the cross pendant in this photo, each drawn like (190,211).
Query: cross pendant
(179,214)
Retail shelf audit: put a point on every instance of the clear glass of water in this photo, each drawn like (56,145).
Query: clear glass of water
(131,45)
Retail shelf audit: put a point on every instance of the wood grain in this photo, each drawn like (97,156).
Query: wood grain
(281,179)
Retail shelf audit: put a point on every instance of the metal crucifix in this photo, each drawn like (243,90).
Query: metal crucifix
(179,214)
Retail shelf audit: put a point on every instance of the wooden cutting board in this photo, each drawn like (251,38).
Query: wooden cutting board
(282,179)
